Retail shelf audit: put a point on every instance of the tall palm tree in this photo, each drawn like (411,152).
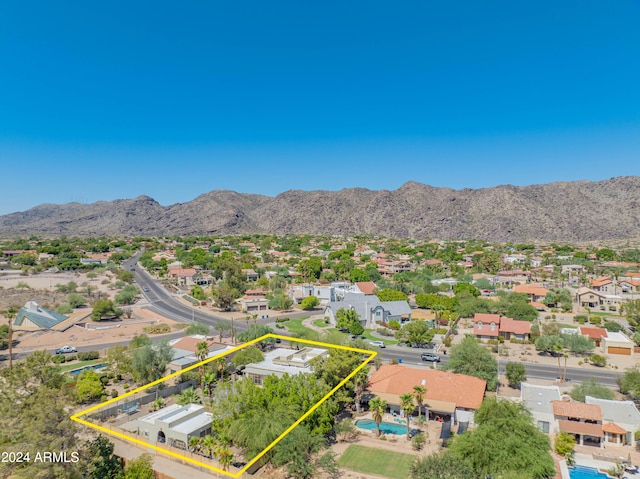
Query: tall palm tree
(201,353)
(557,349)
(221,365)
(10,314)
(360,384)
(207,381)
(407,406)
(378,407)
(419,392)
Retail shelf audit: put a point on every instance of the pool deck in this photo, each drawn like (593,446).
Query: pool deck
(587,460)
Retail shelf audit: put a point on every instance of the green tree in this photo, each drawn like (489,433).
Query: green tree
(461,289)
(564,443)
(345,317)
(197,328)
(104,308)
(102,464)
(139,340)
(88,386)
(75,300)
(149,362)
(119,360)
(387,294)
(632,312)
(505,440)
(226,296)
(279,300)
(418,333)
(516,373)
(140,468)
(377,407)
(549,344)
(443,465)
(578,344)
(358,275)
(310,302)
(360,385)
(522,310)
(630,382)
(356,328)
(246,356)
(472,359)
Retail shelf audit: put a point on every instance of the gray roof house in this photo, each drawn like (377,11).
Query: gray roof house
(175,425)
(32,316)
(621,413)
(538,399)
(370,309)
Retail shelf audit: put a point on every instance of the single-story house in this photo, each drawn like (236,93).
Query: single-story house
(448,395)
(253,304)
(281,361)
(174,425)
(185,351)
(32,317)
(595,334)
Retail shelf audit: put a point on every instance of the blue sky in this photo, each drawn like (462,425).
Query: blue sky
(106,100)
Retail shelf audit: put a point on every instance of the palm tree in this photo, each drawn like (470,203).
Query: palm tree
(201,353)
(377,407)
(189,396)
(564,376)
(407,406)
(419,392)
(195,443)
(10,314)
(360,384)
(224,455)
(207,381)
(557,349)
(221,365)
(208,445)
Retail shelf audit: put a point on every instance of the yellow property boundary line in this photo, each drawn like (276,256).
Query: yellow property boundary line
(76,417)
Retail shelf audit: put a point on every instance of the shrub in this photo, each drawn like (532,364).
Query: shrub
(579,317)
(104,380)
(612,308)
(282,320)
(157,329)
(126,386)
(581,320)
(72,357)
(598,360)
(595,319)
(114,393)
(492,341)
(88,355)
(279,326)
(58,359)
(395,325)
(417,442)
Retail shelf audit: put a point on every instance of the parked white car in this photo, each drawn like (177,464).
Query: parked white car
(379,344)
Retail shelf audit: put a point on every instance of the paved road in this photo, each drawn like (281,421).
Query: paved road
(538,371)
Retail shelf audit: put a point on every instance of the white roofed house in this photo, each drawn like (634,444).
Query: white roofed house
(370,309)
(538,400)
(620,419)
(281,361)
(174,425)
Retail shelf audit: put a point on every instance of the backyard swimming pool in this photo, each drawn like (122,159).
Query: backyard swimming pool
(95,367)
(582,472)
(385,427)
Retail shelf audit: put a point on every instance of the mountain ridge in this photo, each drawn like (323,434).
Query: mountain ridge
(561,211)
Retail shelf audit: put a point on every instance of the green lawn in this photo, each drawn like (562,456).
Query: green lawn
(371,460)
(295,326)
(320,323)
(367,334)
(69,367)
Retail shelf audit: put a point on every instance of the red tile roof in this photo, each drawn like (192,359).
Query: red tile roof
(191,344)
(613,428)
(601,281)
(593,333)
(464,391)
(514,326)
(530,289)
(367,287)
(482,324)
(577,410)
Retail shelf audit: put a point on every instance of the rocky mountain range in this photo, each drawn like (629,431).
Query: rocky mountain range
(564,211)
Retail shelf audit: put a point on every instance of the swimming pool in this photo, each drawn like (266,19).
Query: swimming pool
(582,472)
(95,367)
(385,427)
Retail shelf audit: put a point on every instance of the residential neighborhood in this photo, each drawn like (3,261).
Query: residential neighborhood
(458,327)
